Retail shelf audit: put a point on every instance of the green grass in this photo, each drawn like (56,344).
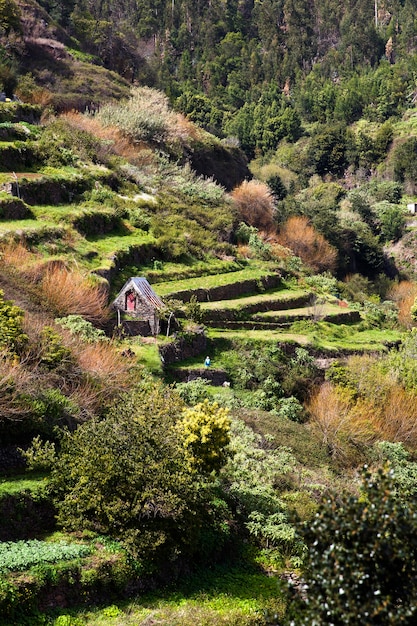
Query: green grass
(225,597)
(355,338)
(213,280)
(146,352)
(272,295)
(105,247)
(310,311)
(11,226)
(22,482)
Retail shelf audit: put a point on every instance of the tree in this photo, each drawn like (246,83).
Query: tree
(362,566)
(127,476)
(405,162)
(277,187)
(327,151)
(9,16)
(391,220)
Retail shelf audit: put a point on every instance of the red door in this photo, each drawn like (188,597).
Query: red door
(130,301)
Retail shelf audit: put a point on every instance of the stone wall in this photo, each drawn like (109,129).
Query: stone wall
(228,292)
(216,377)
(183,348)
(133,328)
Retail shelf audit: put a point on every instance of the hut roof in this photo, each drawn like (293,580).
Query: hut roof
(144,290)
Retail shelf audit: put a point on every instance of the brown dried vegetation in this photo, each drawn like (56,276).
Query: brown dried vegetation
(70,293)
(404,294)
(308,244)
(255,204)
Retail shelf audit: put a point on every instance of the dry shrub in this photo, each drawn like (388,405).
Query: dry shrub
(244,251)
(108,374)
(102,360)
(90,398)
(15,256)
(306,243)
(343,426)
(15,380)
(404,294)
(70,293)
(115,142)
(255,204)
(183,129)
(398,419)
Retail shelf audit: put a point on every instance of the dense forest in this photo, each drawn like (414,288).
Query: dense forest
(251,458)
(253,69)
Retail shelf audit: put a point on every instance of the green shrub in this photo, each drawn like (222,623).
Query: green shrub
(194,391)
(291,409)
(362,566)
(40,456)
(322,283)
(12,337)
(251,475)
(53,352)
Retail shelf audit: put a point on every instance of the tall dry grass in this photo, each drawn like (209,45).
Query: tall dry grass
(105,374)
(15,257)
(255,204)
(147,117)
(344,426)
(397,421)
(308,244)
(69,292)
(114,141)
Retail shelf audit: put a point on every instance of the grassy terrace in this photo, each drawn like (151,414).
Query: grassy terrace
(222,596)
(330,338)
(273,296)
(252,272)
(319,311)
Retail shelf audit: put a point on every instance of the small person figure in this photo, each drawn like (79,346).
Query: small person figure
(207,361)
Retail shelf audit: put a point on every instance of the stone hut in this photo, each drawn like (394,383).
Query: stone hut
(138,300)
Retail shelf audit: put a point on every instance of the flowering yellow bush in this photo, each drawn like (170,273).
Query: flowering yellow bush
(205,432)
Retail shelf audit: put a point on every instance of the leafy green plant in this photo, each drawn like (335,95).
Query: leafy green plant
(291,409)
(193,391)
(22,555)
(252,472)
(53,352)
(77,325)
